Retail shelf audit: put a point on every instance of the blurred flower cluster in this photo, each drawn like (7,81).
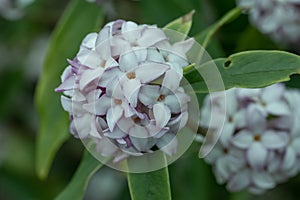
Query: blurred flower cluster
(279,19)
(123,90)
(259,145)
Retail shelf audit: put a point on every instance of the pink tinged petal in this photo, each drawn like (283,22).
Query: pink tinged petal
(89,58)
(278,108)
(162,114)
(171,80)
(239,181)
(243,139)
(150,71)
(131,89)
(149,94)
(274,140)
(272,93)
(89,76)
(263,180)
(128,61)
(89,41)
(113,115)
(168,144)
(296,145)
(68,84)
(257,155)
(289,159)
(108,76)
(150,36)
(100,106)
(67,73)
(183,47)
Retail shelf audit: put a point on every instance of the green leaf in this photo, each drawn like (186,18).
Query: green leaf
(181,25)
(151,185)
(79,19)
(249,69)
(206,35)
(75,190)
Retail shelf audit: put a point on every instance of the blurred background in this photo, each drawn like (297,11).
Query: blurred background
(26,27)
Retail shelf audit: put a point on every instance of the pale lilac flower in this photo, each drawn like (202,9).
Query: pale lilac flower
(123,91)
(261,147)
(277,18)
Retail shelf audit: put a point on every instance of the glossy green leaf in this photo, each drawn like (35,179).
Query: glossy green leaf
(75,190)
(79,19)
(181,25)
(206,35)
(151,185)
(249,69)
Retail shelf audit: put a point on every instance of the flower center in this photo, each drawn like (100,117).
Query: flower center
(137,120)
(118,101)
(161,97)
(131,75)
(256,137)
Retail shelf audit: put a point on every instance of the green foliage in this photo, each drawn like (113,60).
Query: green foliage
(151,185)
(76,188)
(249,69)
(79,19)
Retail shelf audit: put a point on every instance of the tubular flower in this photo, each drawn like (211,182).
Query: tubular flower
(123,90)
(261,147)
(276,18)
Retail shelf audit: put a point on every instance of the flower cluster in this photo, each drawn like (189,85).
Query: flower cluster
(260,142)
(277,18)
(123,90)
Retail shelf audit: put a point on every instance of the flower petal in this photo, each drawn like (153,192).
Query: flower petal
(115,134)
(128,61)
(100,106)
(89,76)
(68,84)
(162,114)
(113,115)
(274,140)
(263,180)
(239,181)
(171,80)
(289,159)
(243,139)
(149,94)
(150,36)
(278,108)
(257,155)
(150,71)
(131,88)
(272,93)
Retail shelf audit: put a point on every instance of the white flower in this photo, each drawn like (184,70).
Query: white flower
(276,18)
(13,10)
(261,147)
(122,92)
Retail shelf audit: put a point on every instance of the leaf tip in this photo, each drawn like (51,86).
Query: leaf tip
(188,17)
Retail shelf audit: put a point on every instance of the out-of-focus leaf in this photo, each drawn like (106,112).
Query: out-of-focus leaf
(181,25)
(249,69)
(79,19)
(151,185)
(76,188)
(205,36)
